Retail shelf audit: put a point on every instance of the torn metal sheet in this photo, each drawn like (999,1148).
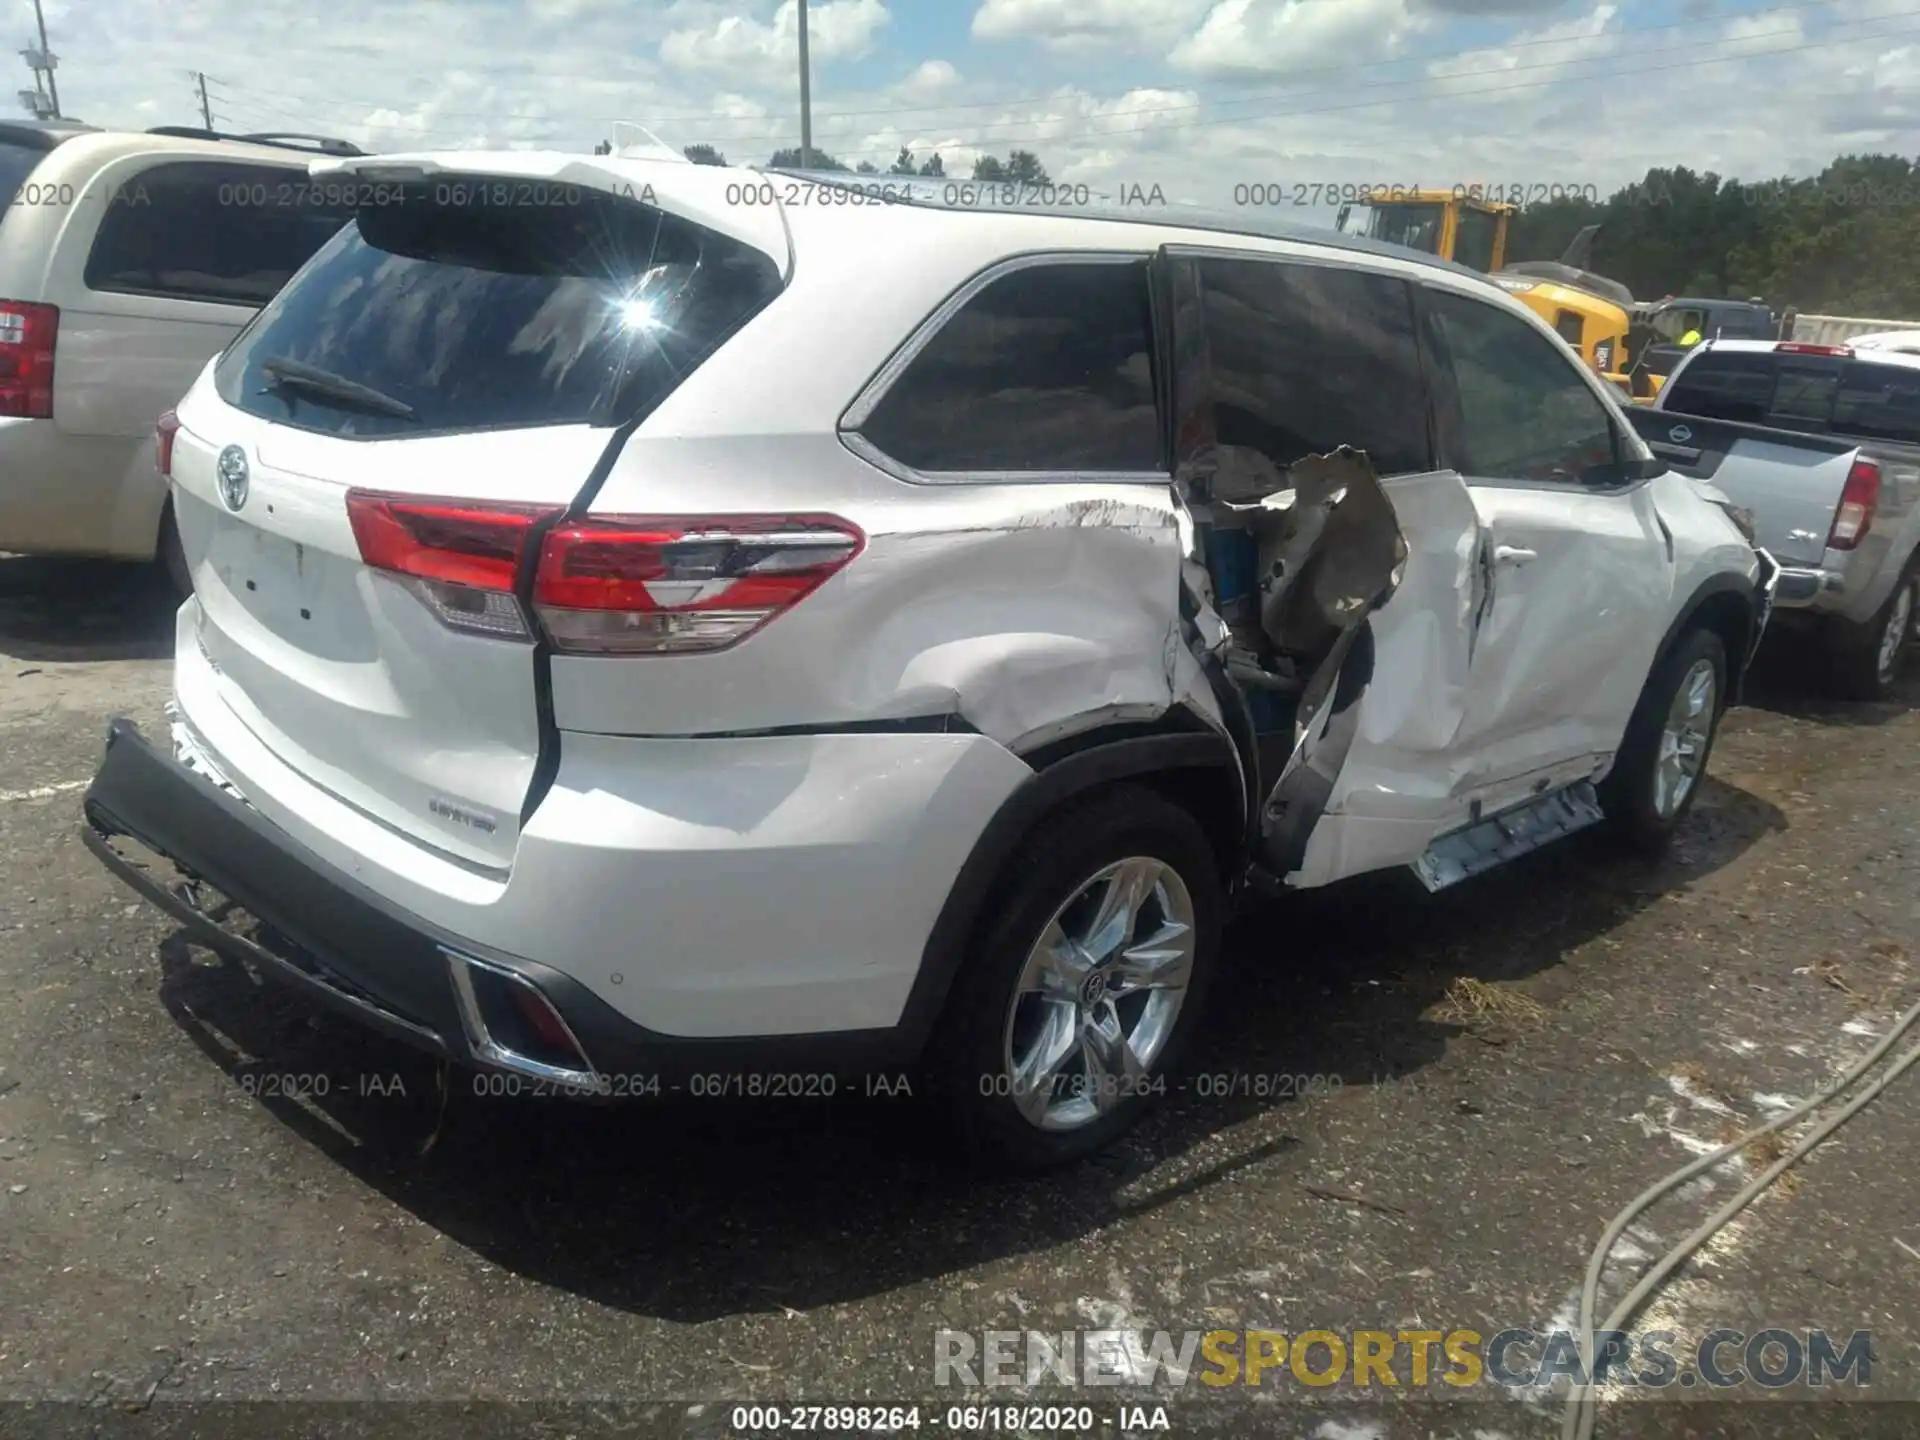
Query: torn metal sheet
(1330,552)
(1367,602)
(1335,553)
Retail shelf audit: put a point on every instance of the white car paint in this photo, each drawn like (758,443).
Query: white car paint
(1904,342)
(84,482)
(706,880)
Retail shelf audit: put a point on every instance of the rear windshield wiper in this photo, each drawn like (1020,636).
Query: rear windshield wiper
(296,375)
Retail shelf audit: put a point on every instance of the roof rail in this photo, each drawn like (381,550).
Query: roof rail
(323,144)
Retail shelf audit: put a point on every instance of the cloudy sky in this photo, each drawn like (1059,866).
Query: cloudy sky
(1197,96)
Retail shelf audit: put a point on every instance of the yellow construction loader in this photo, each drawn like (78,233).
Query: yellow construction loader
(1591,312)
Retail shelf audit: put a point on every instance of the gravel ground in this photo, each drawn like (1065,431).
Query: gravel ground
(184,1252)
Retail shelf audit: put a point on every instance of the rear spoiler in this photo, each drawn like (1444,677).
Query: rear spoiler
(699,193)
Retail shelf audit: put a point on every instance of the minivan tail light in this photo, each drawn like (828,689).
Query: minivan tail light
(641,585)
(461,557)
(1859,498)
(27,335)
(164,429)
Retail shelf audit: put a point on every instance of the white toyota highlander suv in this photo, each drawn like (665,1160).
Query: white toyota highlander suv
(655,619)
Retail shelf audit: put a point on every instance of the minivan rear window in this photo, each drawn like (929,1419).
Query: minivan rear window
(435,311)
(17,162)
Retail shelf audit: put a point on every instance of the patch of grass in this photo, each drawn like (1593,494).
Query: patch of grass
(1765,1150)
(1475,1002)
(1695,1074)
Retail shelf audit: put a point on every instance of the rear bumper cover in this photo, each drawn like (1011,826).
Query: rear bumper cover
(359,955)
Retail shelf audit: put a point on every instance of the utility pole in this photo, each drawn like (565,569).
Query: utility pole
(806,94)
(41,61)
(206,110)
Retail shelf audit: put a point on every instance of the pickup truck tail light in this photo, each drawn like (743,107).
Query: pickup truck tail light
(672,585)
(27,335)
(619,585)
(1859,498)
(164,429)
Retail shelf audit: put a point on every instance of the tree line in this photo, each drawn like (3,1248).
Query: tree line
(1846,241)
(1020,166)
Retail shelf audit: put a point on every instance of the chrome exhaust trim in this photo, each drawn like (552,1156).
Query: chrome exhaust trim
(490,1051)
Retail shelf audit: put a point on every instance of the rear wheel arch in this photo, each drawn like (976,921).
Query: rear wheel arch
(1730,616)
(1728,606)
(1195,769)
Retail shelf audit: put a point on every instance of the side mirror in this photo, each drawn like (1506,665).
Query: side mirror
(1616,473)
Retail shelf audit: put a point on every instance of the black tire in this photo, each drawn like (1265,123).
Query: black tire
(1855,659)
(1629,795)
(1057,861)
(173,555)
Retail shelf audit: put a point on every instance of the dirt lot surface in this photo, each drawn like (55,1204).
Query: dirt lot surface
(184,1251)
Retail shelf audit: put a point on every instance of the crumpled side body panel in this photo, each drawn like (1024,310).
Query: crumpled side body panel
(1029,612)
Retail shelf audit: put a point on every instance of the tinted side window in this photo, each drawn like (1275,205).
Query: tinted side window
(1879,402)
(1525,412)
(197,230)
(1048,368)
(1307,358)
(1725,385)
(1803,395)
(1473,245)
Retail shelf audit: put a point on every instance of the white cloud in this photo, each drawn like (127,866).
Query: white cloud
(836,30)
(1247,37)
(1147,26)
(450,73)
(930,80)
(1533,56)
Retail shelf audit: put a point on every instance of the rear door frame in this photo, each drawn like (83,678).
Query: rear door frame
(1297,817)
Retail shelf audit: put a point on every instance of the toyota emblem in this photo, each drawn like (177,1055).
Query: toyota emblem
(1680,434)
(233,476)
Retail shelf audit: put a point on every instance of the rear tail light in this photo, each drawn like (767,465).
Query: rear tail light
(644,586)
(461,557)
(27,335)
(618,585)
(1801,347)
(164,430)
(1859,498)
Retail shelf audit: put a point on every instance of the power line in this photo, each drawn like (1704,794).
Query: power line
(1266,88)
(1636,69)
(1088,135)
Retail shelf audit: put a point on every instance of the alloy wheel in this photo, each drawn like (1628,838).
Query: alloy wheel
(1100,994)
(1684,739)
(1893,638)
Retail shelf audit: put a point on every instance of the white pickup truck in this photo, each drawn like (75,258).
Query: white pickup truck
(1820,444)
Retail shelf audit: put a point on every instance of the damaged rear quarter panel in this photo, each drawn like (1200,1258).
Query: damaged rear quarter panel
(1030,611)
(1041,611)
